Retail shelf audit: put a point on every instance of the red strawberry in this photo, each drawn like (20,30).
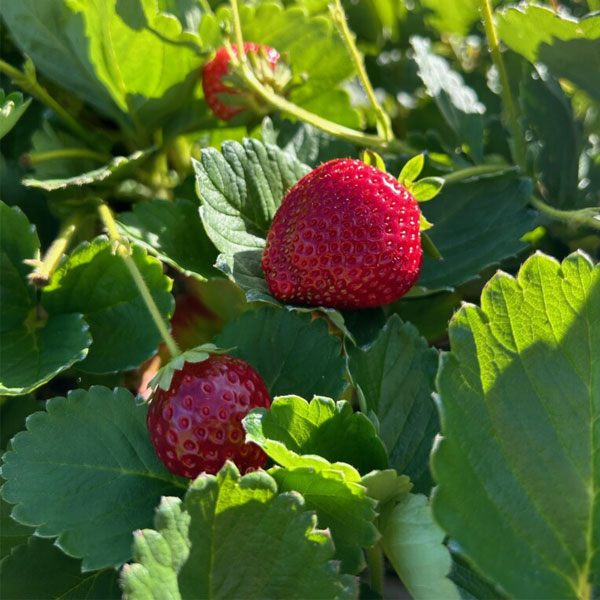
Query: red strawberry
(212,75)
(345,236)
(195,425)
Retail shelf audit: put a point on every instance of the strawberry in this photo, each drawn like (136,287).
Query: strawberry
(214,71)
(196,426)
(345,236)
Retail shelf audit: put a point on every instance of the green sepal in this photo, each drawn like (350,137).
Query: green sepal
(411,170)
(429,248)
(427,188)
(369,157)
(424,224)
(163,377)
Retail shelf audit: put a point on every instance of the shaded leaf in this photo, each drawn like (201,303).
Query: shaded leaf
(520,411)
(97,282)
(395,375)
(12,108)
(297,356)
(12,534)
(56,575)
(94,487)
(174,233)
(414,544)
(478,223)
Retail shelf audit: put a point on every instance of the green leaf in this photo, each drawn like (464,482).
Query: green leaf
(12,108)
(85,471)
(322,427)
(240,189)
(370,157)
(12,534)
(520,410)
(96,282)
(233,520)
(56,575)
(457,102)
(13,412)
(471,585)
(342,506)
(34,349)
(427,188)
(414,544)
(555,136)
(117,169)
(478,223)
(412,169)
(297,356)
(455,17)
(540,34)
(174,233)
(395,375)
(388,488)
(308,144)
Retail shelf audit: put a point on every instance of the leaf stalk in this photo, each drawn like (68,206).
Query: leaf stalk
(35,158)
(375,562)
(124,251)
(587,217)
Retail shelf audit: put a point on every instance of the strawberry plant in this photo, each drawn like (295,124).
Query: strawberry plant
(298,300)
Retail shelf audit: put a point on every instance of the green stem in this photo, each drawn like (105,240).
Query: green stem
(475,172)
(507,99)
(375,562)
(31,86)
(35,158)
(42,274)
(383,119)
(588,217)
(277,102)
(124,251)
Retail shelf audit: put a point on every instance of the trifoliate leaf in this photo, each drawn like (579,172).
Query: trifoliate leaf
(85,471)
(520,408)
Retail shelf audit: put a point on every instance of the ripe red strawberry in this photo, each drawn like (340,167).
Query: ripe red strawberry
(215,69)
(345,236)
(195,425)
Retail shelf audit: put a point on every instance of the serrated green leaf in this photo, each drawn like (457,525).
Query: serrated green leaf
(12,108)
(13,412)
(388,488)
(457,102)
(544,35)
(97,283)
(520,410)
(427,188)
(413,542)
(233,519)
(308,144)
(118,168)
(298,356)
(396,376)
(478,223)
(172,231)
(342,506)
(555,137)
(85,471)
(453,17)
(323,427)
(56,575)
(12,534)
(34,348)
(412,169)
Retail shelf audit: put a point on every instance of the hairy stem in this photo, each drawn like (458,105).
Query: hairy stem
(383,119)
(587,217)
(41,275)
(124,251)
(475,172)
(31,86)
(507,99)
(35,158)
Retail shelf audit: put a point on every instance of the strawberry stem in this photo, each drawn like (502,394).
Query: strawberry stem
(41,275)
(124,251)
(279,103)
(587,217)
(375,562)
(383,120)
(36,158)
(519,149)
(475,172)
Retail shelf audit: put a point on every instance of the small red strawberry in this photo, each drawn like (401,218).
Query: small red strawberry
(345,236)
(215,69)
(196,425)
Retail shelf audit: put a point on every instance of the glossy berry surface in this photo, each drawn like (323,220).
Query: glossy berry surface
(345,236)
(196,425)
(215,69)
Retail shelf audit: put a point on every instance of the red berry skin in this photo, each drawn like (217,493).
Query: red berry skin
(346,236)
(213,72)
(196,425)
